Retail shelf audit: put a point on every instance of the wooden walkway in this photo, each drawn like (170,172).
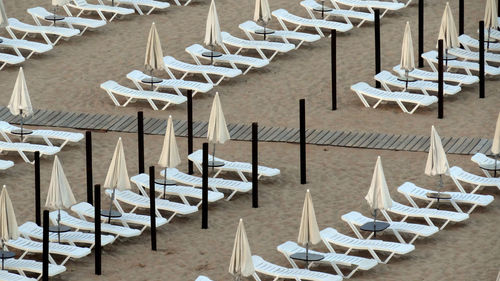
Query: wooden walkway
(154,126)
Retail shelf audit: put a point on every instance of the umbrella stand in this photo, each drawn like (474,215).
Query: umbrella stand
(58,225)
(495,171)
(5,254)
(165,184)
(151,74)
(111,204)
(213,160)
(406,73)
(439,190)
(307,255)
(374,223)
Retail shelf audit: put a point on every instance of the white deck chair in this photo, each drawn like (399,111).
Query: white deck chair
(213,183)
(112,88)
(485,161)
(385,6)
(183,192)
(250,27)
(23,266)
(139,201)
(22,147)
(468,67)
(426,214)
(204,70)
(461,79)
(148,4)
(467,55)
(7,276)
(31,230)
(203,278)
(137,76)
(356,219)
(5,164)
(6,59)
(46,135)
(284,16)
(83,6)
(362,89)
(311,5)
(458,175)
(332,236)
(44,31)
(279,272)
(29,246)
(196,51)
(258,46)
(410,191)
(289,248)
(469,43)
(39,14)
(79,224)
(387,79)
(84,209)
(18,44)
(229,166)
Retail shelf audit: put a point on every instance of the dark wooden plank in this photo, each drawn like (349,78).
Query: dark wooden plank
(291,135)
(412,143)
(231,127)
(376,141)
(263,130)
(182,131)
(404,143)
(60,122)
(33,119)
(341,138)
(467,142)
(160,130)
(73,119)
(422,144)
(235,130)
(123,121)
(325,138)
(320,135)
(148,123)
(398,142)
(282,136)
(154,128)
(247,134)
(109,123)
(201,130)
(369,140)
(197,126)
(156,122)
(55,116)
(310,133)
(334,137)
(272,137)
(4,111)
(390,141)
(471,145)
(103,122)
(49,114)
(450,143)
(178,124)
(446,140)
(348,138)
(131,120)
(383,141)
(486,148)
(362,139)
(242,132)
(479,145)
(92,123)
(459,143)
(83,122)
(293,138)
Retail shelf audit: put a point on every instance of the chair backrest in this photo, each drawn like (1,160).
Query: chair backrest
(80,2)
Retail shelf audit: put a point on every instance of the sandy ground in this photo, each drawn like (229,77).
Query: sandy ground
(68,78)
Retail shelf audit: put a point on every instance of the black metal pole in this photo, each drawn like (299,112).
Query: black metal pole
(334,68)
(255,165)
(461,17)
(45,246)
(88,158)
(190,128)
(152,206)
(37,189)
(302,109)
(440,79)
(97,228)
(420,33)
(377,46)
(204,203)
(481,61)
(140,140)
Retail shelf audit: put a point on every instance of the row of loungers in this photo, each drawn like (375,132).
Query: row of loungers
(239,64)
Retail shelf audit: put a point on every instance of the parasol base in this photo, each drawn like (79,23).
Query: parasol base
(211,54)
(307,257)
(21,132)
(165,182)
(374,226)
(151,80)
(440,195)
(59,228)
(110,213)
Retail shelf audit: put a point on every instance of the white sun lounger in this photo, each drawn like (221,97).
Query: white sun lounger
(196,51)
(213,183)
(467,55)
(469,43)
(46,135)
(22,147)
(250,27)
(385,6)
(5,164)
(7,276)
(468,67)
(148,4)
(139,201)
(312,5)
(9,59)
(410,190)
(332,236)
(279,272)
(258,46)
(183,192)
(356,219)
(112,88)
(238,167)
(31,230)
(289,248)
(485,161)
(137,76)
(85,209)
(23,266)
(83,6)
(203,278)
(433,76)
(79,224)
(204,70)
(18,44)
(284,16)
(362,89)
(426,214)
(458,175)
(44,31)
(39,14)
(387,79)
(29,246)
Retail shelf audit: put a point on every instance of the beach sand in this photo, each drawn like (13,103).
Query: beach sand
(68,79)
